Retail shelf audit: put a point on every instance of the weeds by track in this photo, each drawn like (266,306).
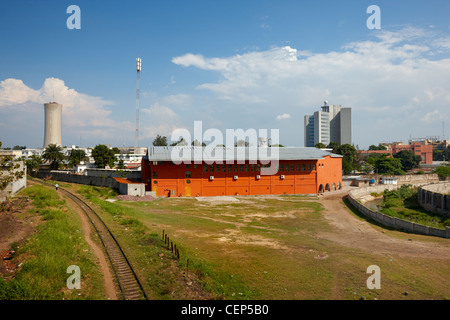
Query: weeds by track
(129,284)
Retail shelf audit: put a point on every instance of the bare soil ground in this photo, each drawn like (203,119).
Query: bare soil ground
(14,229)
(351,231)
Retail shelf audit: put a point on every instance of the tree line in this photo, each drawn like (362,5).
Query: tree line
(381,163)
(54,155)
(161,141)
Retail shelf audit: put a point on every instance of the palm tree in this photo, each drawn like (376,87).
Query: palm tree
(33,163)
(54,154)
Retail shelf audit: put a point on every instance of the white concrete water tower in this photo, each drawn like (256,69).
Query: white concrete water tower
(53,120)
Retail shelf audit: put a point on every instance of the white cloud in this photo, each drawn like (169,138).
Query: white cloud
(394,74)
(433,116)
(283,116)
(159,118)
(82,114)
(14,91)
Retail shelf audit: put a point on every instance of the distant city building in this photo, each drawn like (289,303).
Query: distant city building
(332,124)
(422,149)
(419,148)
(131,157)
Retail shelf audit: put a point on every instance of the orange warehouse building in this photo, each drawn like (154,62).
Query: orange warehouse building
(300,171)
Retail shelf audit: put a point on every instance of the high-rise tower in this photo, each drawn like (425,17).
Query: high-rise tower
(53,120)
(332,124)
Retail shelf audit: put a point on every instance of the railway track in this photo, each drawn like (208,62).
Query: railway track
(129,284)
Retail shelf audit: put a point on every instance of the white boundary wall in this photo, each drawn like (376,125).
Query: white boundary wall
(388,221)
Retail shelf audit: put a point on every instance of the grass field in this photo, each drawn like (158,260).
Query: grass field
(57,244)
(258,248)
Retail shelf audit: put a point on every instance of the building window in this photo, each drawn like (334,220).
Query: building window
(205,168)
(211,168)
(224,168)
(252,168)
(287,168)
(188,181)
(314,167)
(230,168)
(309,167)
(281,167)
(155,175)
(298,167)
(195,166)
(241,168)
(235,168)
(292,167)
(188,174)
(218,168)
(246,168)
(188,166)
(303,167)
(258,168)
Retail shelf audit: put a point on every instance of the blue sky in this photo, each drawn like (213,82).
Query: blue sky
(231,64)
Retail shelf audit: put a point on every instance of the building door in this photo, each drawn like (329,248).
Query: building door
(187,191)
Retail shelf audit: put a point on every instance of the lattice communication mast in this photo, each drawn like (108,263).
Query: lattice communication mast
(138,69)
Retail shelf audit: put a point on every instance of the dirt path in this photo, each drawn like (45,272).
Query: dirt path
(352,232)
(110,288)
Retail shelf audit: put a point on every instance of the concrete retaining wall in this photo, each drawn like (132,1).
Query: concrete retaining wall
(435,198)
(112,173)
(80,179)
(388,221)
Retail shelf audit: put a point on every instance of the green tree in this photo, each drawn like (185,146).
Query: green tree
(242,143)
(53,154)
(441,155)
(390,166)
(366,168)
(196,143)
(408,159)
(373,157)
(380,147)
(103,156)
(180,143)
(334,146)
(121,164)
(160,141)
(33,164)
(443,172)
(320,145)
(76,156)
(349,157)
